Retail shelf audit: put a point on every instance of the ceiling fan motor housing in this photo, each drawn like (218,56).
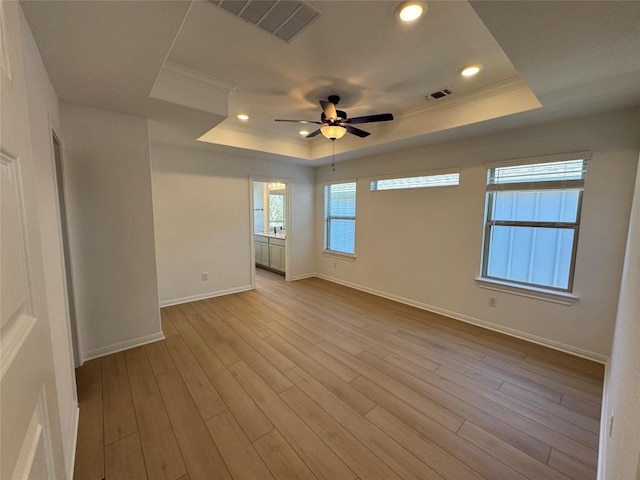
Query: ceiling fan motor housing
(342,115)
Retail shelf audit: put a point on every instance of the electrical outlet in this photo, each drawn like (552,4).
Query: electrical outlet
(205,276)
(493,301)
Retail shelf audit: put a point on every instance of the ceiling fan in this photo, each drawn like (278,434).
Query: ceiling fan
(335,123)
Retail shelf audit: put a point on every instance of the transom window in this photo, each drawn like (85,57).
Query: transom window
(532,222)
(419,181)
(340,217)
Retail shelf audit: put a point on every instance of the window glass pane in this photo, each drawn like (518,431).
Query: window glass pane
(534,255)
(531,205)
(442,180)
(539,172)
(276,211)
(342,235)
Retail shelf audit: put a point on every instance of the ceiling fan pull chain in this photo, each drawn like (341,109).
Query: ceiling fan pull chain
(333,157)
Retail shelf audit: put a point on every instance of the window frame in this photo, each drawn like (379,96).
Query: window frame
(411,175)
(327,218)
(284,214)
(541,185)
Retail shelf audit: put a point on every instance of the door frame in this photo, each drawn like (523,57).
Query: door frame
(288,223)
(65,253)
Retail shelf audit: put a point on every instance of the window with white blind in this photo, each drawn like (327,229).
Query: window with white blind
(532,223)
(416,181)
(340,218)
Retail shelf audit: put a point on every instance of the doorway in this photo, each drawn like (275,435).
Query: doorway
(62,207)
(270,226)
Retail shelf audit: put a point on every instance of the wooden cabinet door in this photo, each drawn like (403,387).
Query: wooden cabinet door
(277,257)
(262,254)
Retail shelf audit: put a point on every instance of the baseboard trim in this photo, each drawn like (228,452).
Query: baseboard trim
(204,296)
(73,441)
(118,347)
(579,352)
(303,276)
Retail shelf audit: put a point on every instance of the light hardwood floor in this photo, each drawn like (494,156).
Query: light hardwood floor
(314,380)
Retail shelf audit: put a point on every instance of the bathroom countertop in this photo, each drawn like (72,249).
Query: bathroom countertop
(272,235)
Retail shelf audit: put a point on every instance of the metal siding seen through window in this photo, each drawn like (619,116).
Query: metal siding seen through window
(340,217)
(423,181)
(532,223)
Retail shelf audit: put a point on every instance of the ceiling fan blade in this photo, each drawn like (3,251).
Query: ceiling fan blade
(298,121)
(313,134)
(356,131)
(329,110)
(381,117)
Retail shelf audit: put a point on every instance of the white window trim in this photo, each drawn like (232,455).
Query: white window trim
(342,256)
(538,293)
(422,173)
(560,157)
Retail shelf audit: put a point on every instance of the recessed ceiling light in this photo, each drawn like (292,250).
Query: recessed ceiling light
(304,133)
(470,70)
(243,116)
(410,11)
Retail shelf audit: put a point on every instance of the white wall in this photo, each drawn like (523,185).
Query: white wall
(424,245)
(108,181)
(202,219)
(622,452)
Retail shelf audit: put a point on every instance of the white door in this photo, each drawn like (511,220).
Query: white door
(29,422)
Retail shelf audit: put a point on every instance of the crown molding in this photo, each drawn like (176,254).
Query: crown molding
(494,89)
(264,134)
(194,76)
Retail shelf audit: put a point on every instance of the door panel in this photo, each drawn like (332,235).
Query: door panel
(28,404)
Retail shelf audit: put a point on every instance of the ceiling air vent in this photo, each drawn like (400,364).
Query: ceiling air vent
(445,92)
(283,18)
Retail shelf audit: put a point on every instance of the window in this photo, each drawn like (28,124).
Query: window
(276,210)
(532,222)
(340,217)
(424,181)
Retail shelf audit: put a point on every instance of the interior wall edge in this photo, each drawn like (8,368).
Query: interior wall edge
(545,342)
(70,461)
(602,439)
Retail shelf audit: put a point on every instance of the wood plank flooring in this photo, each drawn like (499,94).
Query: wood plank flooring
(312,380)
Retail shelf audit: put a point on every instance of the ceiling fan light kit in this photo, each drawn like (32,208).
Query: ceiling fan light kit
(409,12)
(333,132)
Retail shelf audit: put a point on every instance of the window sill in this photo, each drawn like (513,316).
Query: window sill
(342,256)
(563,298)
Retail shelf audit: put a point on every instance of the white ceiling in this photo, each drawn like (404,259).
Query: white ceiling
(542,61)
